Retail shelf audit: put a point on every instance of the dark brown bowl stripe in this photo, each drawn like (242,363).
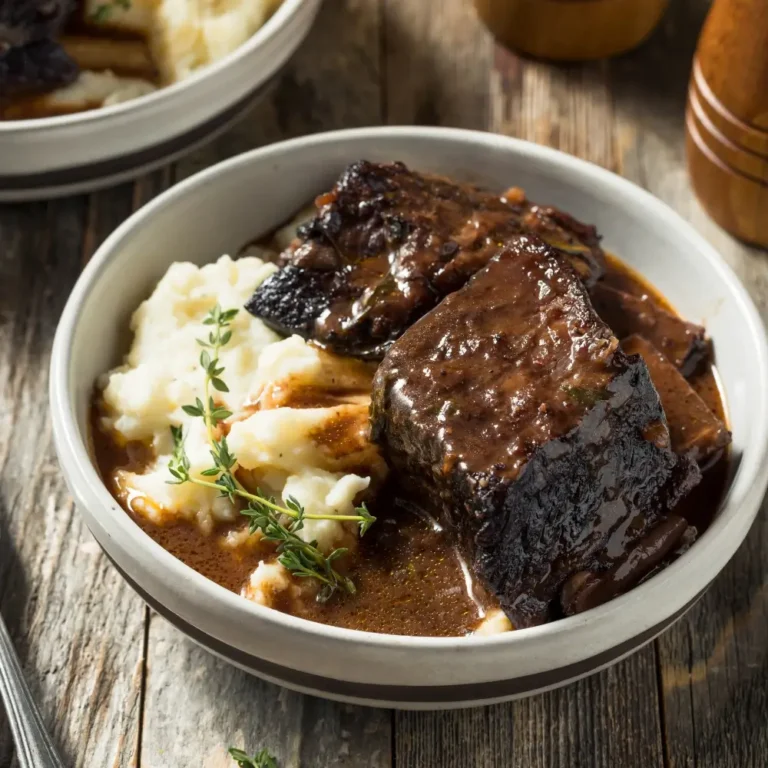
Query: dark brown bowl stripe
(411,694)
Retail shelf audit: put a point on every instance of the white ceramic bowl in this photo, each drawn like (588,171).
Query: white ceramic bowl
(226,206)
(81,152)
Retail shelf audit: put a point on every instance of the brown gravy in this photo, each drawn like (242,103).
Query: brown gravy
(409,577)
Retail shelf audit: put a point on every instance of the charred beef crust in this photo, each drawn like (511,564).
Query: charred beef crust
(395,242)
(534,438)
(36,67)
(30,58)
(308,292)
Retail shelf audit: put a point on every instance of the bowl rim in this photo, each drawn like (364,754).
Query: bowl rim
(89,489)
(279,19)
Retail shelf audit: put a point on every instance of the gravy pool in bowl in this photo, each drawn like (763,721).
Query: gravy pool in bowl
(299,424)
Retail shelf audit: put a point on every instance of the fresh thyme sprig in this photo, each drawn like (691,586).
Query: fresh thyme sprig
(303,559)
(259,503)
(261,759)
(209,361)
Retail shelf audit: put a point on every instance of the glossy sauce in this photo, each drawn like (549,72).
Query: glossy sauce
(409,577)
(701,505)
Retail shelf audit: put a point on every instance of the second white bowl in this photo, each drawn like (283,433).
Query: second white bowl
(75,153)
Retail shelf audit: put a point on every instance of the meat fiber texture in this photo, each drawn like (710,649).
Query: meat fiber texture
(684,344)
(387,244)
(533,437)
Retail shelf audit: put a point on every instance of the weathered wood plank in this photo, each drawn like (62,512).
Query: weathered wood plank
(198,706)
(601,722)
(78,628)
(568,108)
(109,208)
(437,58)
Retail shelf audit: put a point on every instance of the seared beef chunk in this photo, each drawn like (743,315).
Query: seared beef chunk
(587,589)
(693,428)
(684,344)
(534,437)
(298,296)
(36,67)
(30,59)
(391,243)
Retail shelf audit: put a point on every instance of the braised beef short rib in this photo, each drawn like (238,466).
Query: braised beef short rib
(387,244)
(518,418)
(694,429)
(684,344)
(31,58)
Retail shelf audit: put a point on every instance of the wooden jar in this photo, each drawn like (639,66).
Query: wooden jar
(571,30)
(727,118)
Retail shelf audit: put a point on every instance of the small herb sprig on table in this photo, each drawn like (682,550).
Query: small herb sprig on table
(303,559)
(261,759)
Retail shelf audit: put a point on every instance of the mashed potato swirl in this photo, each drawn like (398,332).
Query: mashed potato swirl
(292,437)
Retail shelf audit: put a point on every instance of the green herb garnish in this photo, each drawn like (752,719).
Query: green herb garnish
(586,395)
(104,11)
(261,759)
(303,559)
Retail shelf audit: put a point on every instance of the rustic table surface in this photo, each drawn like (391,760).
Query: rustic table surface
(120,687)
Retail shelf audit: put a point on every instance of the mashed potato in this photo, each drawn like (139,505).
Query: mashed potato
(182,37)
(190,34)
(494,623)
(308,453)
(102,88)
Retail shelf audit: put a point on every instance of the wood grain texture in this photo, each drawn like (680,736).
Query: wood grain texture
(610,719)
(78,628)
(223,706)
(437,59)
(119,688)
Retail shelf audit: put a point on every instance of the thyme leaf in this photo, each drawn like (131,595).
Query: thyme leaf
(261,759)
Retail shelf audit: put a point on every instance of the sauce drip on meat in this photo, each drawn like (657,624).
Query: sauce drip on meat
(409,578)
(388,244)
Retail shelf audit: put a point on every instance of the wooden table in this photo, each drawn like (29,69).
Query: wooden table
(120,687)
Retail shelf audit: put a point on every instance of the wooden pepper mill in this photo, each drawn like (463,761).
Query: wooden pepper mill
(727,118)
(571,30)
